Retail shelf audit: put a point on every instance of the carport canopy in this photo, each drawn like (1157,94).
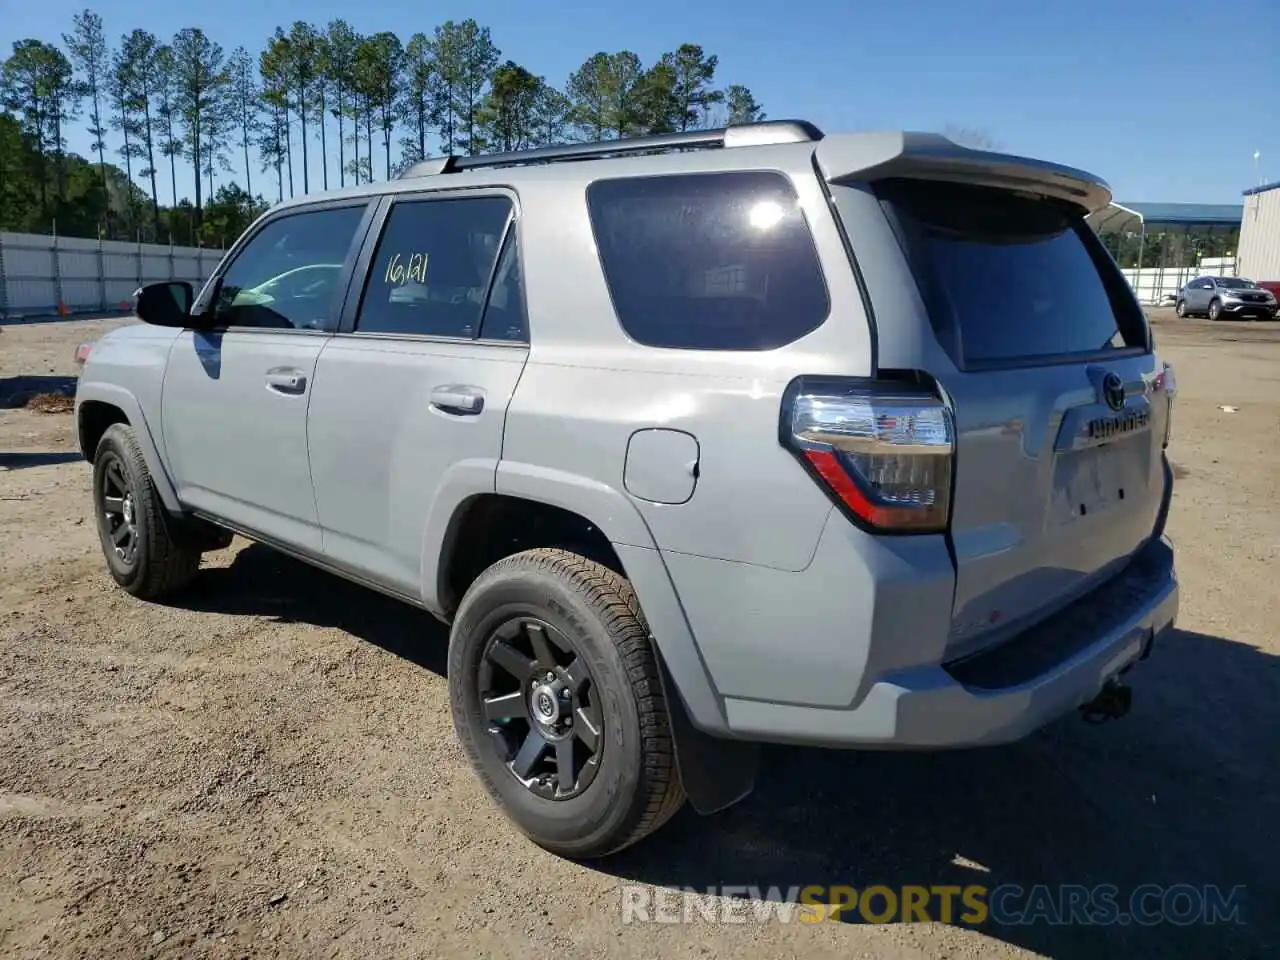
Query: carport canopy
(1118,218)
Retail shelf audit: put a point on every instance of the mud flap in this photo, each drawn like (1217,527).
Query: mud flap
(716,772)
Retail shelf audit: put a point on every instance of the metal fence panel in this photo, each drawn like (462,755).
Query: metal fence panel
(1159,285)
(82,296)
(120,294)
(44,275)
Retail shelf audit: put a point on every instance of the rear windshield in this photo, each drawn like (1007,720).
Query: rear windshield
(708,261)
(1008,277)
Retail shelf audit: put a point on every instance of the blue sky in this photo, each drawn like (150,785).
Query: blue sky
(1167,100)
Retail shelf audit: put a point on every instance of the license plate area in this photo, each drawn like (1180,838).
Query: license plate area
(1101,479)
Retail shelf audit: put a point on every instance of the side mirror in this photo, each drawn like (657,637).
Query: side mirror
(165,304)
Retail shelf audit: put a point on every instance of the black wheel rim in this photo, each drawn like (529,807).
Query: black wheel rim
(117,511)
(541,708)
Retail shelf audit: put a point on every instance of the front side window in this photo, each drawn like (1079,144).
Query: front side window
(710,261)
(288,276)
(430,273)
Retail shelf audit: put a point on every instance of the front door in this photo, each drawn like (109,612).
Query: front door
(235,397)
(417,382)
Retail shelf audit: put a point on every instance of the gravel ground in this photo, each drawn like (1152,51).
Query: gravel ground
(268,768)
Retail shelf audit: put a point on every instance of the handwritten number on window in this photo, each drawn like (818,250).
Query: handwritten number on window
(401,270)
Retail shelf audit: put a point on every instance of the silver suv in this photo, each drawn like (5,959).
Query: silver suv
(696,442)
(1215,297)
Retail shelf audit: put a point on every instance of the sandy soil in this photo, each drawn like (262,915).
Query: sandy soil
(268,768)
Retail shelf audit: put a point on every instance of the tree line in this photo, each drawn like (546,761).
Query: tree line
(372,105)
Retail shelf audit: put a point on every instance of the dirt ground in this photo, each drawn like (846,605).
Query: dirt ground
(268,769)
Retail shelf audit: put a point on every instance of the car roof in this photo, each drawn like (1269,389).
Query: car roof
(778,144)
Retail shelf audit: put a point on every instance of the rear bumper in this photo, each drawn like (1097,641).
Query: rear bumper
(997,696)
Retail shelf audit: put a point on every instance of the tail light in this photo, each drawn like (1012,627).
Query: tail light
(1166,382)
(882,450)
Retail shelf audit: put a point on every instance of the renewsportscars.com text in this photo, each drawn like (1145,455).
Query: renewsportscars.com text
(969,905)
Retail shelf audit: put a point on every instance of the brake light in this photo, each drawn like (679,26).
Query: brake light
(882,450)
(1166,381)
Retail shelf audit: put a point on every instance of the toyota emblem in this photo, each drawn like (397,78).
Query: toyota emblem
(1113,391)
(546,706)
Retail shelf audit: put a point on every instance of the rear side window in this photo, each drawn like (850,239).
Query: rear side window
(431,271)
(1009,277)
(715,261)
(504,312)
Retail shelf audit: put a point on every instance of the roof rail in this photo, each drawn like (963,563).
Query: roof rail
(735,135)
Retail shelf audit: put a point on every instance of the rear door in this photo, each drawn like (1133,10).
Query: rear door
(1049,367)
(1198,294)
(417,381)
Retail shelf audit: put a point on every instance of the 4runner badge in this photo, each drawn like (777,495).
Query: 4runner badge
(1113,391)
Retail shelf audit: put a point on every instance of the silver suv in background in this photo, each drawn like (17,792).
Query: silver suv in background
(1217,297)
(695,442)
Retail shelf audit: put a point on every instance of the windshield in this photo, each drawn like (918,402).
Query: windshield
(1234,283)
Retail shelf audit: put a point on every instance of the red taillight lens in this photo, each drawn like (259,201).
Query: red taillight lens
(882,450)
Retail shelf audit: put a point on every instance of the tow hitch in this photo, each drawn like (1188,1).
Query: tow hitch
(1112,702)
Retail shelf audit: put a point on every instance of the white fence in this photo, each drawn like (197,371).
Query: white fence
(43,275)
(1156,285)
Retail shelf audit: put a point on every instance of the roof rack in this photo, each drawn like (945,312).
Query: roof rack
(736,135)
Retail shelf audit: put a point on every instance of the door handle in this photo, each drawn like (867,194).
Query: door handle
(458,399)
(288,380)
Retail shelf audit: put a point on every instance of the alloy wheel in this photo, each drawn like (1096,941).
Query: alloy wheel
(118,511)
(541,708)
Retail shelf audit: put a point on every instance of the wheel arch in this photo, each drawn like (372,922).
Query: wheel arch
(479,484)
(98,407)
(717,771)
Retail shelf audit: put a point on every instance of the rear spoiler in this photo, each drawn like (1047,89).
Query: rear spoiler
(874,156)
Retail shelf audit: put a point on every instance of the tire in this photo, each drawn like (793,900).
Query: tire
(1181,309)
(1215,309)
(152,561)
(634,787)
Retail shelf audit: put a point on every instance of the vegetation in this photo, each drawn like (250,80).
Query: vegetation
(371,104)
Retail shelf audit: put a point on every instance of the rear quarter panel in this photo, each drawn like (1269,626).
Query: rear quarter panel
(588,387)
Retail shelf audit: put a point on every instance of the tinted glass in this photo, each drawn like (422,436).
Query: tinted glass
(1234,283)
(721,261)
(1010,277)
(504,313)
(431,270)
(288,275)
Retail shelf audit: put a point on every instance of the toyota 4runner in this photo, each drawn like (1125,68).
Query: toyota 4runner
(696,442)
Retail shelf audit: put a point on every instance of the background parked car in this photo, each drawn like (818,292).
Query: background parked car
(1215,297)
